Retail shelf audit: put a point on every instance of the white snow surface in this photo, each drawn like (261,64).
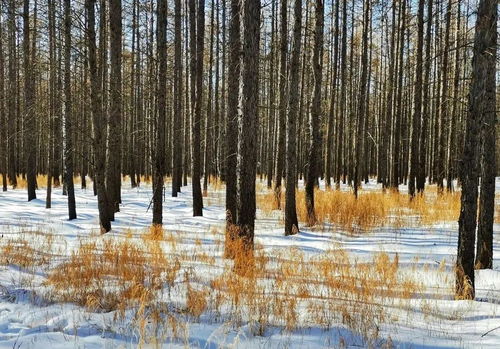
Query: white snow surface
(28,321)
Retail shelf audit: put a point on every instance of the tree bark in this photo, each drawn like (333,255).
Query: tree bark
(98,119)
(481,101)
(315,113)
(484,257)
(283,103)
(68,115)
(113,173)
(291,221)
(198,101)
(360,134)
(247,123)
(160,160)
(417,104)
(178,117)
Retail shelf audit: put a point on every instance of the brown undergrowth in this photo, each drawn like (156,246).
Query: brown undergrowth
(341,210)
(164,279)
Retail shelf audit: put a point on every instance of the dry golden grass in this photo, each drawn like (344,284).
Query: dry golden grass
(372,209)
(27,250)
(41,181)
(281,287)
(113,275)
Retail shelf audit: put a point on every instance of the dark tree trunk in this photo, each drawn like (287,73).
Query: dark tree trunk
(315,113)
(99,119)
(385,127)
(417,106)
(68,115)
(488,51)
(29,104)
(113,173)
(248,123)
(443,121)
(178,117)
(4,158)
(160,161)
(333,117)
(198,101)
(426,105)
(233,82)
(283,103)
(481,109)
(11,94)
(452,129)
(360,133)
(340,169)
(291,221)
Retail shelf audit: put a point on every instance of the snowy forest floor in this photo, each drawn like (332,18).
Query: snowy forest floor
(64,285)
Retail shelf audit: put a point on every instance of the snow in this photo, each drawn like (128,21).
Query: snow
(28,320)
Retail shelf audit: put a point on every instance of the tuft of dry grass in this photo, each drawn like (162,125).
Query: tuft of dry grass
(372,209)
(160,282)
(112,275)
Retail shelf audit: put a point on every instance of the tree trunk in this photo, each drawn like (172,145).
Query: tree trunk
(291,221)
(11,94)
(488,51)
(29,105)
(417,105)
(315,114)
(4,158)
(98,119)
(360,133)
(68,115)
(426,105)
(247,123)
(178,117)
(113,173)
(283,103)
(198,101)
(233,82)
(160,161)
(481,109)
(443,122)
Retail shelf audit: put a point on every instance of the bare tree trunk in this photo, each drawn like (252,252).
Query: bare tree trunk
(68,115)
(198,101)
(451,151)
(11,94)
(385,127)
(426,105)
(443,124)
(99,119)
(484,257)
(481,109)
(342,104)
(396,165)
(291,221)
(113,173)
(315,113)
(247,125)
(418,101)
(4,158)
(160,161)
(333,117)
(283,103)
(29,105)
(360,134)
(209,124)
(178,117)
(232,124)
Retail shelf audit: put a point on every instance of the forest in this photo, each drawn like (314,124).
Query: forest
(249,173)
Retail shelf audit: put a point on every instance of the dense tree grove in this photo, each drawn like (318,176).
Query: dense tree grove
(313,90)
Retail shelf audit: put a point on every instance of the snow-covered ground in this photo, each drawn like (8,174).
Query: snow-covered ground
(432,319)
